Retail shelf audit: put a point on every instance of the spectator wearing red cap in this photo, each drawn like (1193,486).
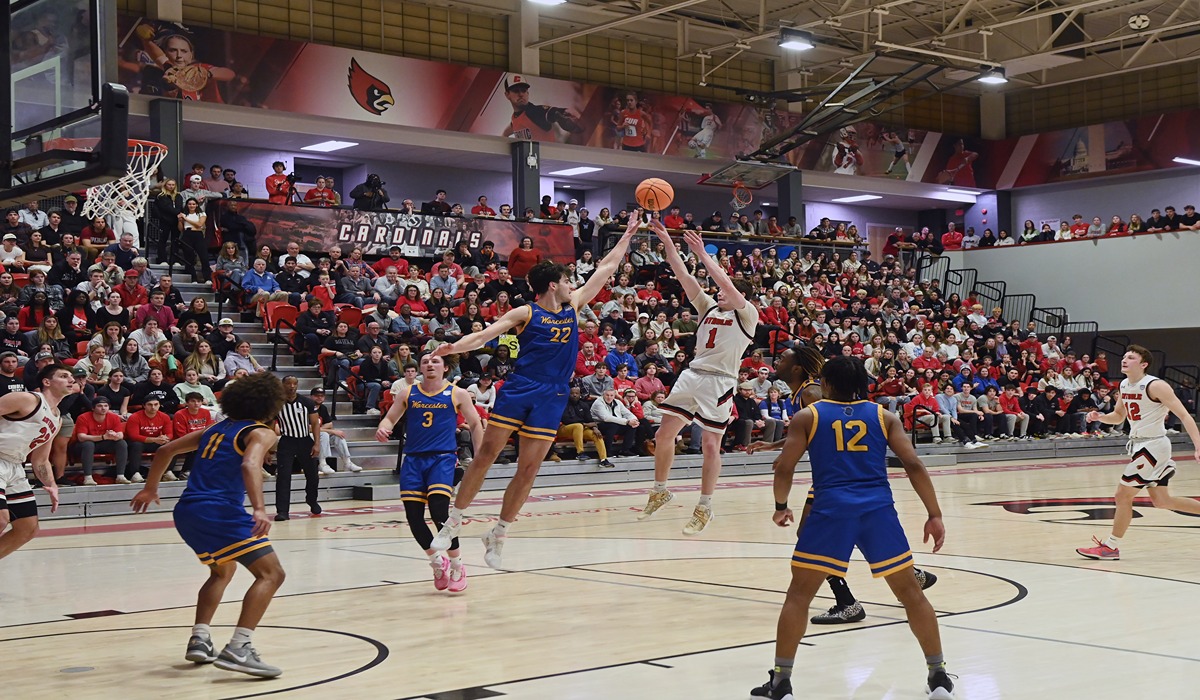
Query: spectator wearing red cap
(133,294)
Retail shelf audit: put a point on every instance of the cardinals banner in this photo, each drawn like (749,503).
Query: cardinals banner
(320,229)
(210,65)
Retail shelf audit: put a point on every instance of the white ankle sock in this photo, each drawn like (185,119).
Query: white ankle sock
(706,501)
(455,563)
(241,636)
(455,516)
(1113,542)
(201,630)
(501,528)
(660,486)
(435,560)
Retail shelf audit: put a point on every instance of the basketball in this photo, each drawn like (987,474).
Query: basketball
(654,194)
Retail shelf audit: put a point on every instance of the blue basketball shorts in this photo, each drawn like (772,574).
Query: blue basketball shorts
(219,532)
(533,409)
(425,474)
(826,542)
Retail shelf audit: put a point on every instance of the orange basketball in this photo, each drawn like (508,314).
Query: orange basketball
(654,194)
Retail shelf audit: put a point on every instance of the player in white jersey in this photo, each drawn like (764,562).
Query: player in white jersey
(708,129)
(703,393)
(28,423)
(1144,401)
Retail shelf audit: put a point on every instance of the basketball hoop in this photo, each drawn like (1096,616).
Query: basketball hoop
(741,196)
(127,194)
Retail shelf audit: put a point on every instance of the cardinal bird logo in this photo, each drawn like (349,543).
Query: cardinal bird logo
(371,93)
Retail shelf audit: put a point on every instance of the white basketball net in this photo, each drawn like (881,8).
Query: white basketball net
(127,194)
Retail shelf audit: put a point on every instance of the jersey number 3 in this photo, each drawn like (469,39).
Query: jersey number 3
(858,430)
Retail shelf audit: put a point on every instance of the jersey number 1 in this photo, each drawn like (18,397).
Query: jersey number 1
(211,448)
(859,429)
(712,339)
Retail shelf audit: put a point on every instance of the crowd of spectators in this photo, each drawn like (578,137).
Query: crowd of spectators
(82,292)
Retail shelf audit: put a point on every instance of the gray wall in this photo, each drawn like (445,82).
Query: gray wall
(1133,282)
(1122,195)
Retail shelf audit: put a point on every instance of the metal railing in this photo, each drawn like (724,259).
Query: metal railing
(1050,319)
(990,294)
(276,338)
(960,282)
(1019,307)
(932,267)
(222,294)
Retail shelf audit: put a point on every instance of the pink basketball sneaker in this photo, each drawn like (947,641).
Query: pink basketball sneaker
(441,575)
(458,579)
(1100,551)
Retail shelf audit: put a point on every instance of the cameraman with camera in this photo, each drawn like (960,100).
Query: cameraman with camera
(370,195)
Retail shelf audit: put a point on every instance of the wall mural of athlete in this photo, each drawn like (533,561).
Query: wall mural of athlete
(534,122)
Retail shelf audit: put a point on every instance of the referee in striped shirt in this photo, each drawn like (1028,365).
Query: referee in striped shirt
(299,444)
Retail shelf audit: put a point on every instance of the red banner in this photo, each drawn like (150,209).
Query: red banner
(319,229)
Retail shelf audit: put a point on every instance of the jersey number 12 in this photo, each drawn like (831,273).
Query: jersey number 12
(859,431)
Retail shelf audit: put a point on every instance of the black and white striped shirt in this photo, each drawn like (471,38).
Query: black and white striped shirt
(293,417)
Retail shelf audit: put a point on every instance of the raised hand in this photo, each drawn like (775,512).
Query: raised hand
(694,242)
(635,222)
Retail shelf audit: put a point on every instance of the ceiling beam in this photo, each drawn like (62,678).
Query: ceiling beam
(616,23)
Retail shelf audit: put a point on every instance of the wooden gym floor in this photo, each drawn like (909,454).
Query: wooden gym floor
(597,605)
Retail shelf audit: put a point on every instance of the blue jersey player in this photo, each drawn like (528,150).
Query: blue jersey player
(535,392)
(430,411)
(212,520)
(847,438)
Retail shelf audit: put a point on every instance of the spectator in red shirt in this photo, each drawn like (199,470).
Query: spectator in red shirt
(952,239)
(194,417)
(649,292)
(393,259)
(157,310)
(754,362)
(133,294)
(320,196)
(278,187)
(100,431)
(589,334)
(585,363)
(482,208)
(673,220)
(146,431)
(1079,227)
(522,259)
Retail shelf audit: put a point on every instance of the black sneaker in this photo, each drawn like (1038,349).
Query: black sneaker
(940,686)
(605,464)
(782,691)
(925,578)
(281,517)
(316,508)
(841,614)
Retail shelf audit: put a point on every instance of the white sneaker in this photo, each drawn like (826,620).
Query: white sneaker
(979,444)
(138,478)
(352,467)
(122,480)
(326,469)
(494,548)
(700,519)
(372,411)
(441,541)
(937,441)
(89,481)
(169,476)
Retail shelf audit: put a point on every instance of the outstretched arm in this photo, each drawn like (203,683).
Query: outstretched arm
(608,266)
(696,244)
(514,318)
(686,280)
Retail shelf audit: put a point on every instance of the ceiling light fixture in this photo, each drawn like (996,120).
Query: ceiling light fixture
(1185,161)
(571,172)
(957,190)
(993,76)
(329,146)
(795,39)
(856,198)
(548,3)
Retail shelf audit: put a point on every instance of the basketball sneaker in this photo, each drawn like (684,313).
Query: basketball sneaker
(1100,551)
(458,580)
(940,686)
(773,690)
(245,659)
(925,578)
(200,650)
(700,519)
(441,542)
(841,615)
(493,546)
(657,500)
(441,573)
(122,479)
